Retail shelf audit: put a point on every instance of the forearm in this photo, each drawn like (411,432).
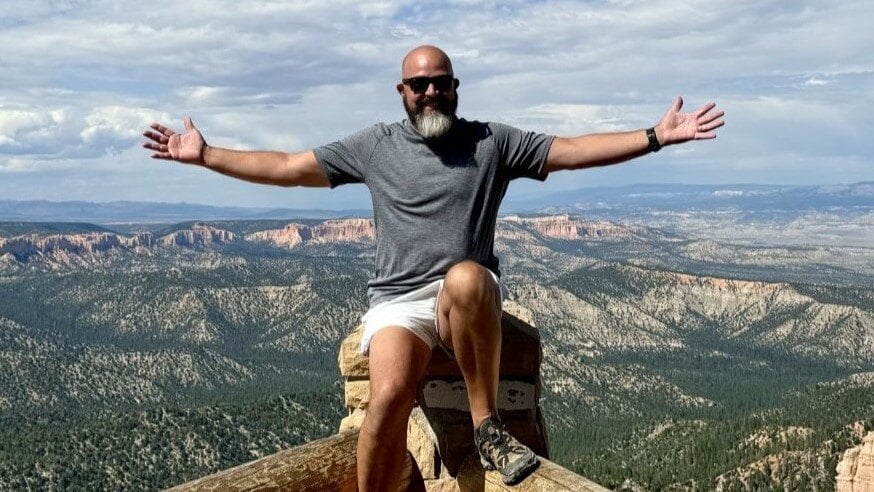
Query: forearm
(265,167)
(598,149)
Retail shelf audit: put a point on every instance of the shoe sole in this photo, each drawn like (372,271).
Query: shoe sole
(522,473)
(531,464)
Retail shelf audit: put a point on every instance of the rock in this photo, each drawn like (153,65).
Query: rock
(329,231)
(855,472)
(353,421)
(357,394)
(352,363)
(197,235)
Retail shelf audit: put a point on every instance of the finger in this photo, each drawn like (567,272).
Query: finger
(705,135)
(703,109)
(162,156)
(188,124)
(710,126)
(163,129)
(154,146)
(707,118)
(156,137)
(678,104)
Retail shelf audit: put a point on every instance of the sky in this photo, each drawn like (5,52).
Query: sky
(82,79)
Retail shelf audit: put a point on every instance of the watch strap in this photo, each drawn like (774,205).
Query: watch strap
(654,144)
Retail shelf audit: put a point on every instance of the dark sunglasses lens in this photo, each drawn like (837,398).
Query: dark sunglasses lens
(442,83)
(420,84)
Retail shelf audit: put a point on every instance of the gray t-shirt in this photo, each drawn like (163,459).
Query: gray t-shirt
(434,203)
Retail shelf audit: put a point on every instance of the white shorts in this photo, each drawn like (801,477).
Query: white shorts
(415,311)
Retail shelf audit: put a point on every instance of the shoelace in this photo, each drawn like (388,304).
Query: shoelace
(499,441)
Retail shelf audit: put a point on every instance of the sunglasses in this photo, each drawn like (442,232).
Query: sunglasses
(419,85)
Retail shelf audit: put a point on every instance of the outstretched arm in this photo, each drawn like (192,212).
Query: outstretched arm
(266,167)
(602,149)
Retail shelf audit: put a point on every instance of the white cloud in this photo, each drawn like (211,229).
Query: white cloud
(114,128)
(816,81)
(12,164)
(571,119)
(83,78)
(52,133)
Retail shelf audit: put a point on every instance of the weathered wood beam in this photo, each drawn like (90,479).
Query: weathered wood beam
(325,464)
(548,476)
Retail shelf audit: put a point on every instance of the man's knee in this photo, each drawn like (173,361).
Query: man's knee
(393,397)
(470,282)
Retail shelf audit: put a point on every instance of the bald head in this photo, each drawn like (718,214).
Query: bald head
(425,60)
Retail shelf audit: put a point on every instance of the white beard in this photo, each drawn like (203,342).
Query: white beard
(433,124)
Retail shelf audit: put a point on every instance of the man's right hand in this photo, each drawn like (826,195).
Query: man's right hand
(187,147)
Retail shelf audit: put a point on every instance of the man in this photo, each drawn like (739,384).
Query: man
(436,182)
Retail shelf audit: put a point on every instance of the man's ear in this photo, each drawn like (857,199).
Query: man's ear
(456,82)
(400,88)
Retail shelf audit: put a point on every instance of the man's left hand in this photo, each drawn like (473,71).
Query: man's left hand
(676,127)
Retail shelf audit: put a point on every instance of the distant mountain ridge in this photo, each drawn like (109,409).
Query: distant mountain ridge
(751,197)
(124,211)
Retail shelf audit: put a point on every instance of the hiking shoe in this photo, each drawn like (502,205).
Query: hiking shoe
(500,451)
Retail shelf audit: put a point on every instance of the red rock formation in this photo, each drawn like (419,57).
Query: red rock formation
(569,227)
(24,247)
(344,230)
(330,231)
(291,235)
(198,235)
(856,469)
(20,247)
(66,246)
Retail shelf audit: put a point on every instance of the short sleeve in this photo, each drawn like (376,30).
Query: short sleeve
(523,153)
(345,161)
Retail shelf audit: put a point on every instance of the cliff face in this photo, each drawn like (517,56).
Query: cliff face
(360,230)
(567,227)
(856,470)
(198,235)
(330,231)
(66,246)
(24,247)
(289,236)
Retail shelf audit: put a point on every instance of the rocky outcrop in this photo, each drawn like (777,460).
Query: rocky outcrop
(856,469)
(330,231)
(362,230)
(569,227)
(22,248)
(348,230)
(197,235)
(359,230)
(66,246)
(289,236)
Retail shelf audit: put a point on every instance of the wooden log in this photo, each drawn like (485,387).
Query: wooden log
(441,485)
(327,464)
(548,476)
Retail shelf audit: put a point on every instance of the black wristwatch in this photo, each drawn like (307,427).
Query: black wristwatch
(654,144)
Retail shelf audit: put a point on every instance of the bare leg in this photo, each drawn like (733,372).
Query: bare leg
(398,359)
(470,322)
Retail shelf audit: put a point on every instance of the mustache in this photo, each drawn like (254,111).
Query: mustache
(437,101)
